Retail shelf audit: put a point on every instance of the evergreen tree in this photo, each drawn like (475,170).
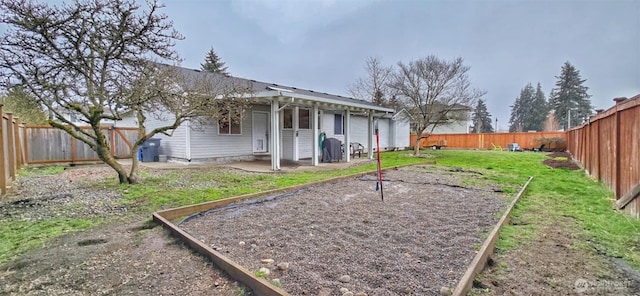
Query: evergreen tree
(24,106)
(481,119)
(213,63)
(529,111)
(521,109)
(539,111)
(570,97)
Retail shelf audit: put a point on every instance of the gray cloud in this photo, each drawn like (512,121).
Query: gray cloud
(322,45)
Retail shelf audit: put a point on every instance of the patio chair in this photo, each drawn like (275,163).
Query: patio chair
(539,149)
(355,147)
(496,147)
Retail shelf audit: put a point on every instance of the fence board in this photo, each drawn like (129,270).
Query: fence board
(45,144)
(487,140)
(3,155)
(607,146)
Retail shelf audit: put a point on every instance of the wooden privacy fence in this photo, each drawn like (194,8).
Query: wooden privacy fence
(608,148)
(45,144)
(552,140)
(11,150)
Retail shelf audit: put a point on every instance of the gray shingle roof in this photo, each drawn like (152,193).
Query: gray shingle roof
(260,86)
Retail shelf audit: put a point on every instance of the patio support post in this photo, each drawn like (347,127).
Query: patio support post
(275,135)
(314,154)
(370,134)
(296,128)
(347,136)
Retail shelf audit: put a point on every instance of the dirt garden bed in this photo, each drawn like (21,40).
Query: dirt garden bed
(324,238)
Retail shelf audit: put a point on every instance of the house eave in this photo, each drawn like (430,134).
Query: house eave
(322,101)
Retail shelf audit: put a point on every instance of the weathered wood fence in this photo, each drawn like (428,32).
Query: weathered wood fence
(552,140)
(45,144)
(608,146)
(11,150)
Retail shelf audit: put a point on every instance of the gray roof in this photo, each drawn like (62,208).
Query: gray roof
(264,89)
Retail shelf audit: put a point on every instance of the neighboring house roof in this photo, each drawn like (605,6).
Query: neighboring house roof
(304,96)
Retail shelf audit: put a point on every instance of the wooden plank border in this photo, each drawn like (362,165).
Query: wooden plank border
(239,273)
(480,260)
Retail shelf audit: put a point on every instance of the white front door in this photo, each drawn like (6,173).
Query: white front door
(260,132)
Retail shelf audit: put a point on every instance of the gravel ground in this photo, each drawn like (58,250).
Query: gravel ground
(336,236)
(71,194)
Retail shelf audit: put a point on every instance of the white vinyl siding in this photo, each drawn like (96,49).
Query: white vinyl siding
(174,146)
(206,143)
(457,127)
(287,144)
(305,143)
(328,127)
(402,134)
(359,130)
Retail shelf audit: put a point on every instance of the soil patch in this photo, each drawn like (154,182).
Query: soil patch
(126,256)
(320,239)
(561,160)
(555,262)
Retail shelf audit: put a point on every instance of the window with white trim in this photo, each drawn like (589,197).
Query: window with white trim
(304,119)
(287,119)
(229,125)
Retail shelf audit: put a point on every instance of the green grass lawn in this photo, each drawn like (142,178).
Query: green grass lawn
(552,193)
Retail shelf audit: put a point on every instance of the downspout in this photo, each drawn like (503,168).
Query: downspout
(188,140)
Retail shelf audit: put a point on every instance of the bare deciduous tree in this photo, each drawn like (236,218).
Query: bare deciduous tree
(373,87)
(435,92)
(551,124)
(93,57)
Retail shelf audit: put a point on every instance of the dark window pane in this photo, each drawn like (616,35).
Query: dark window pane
(288,118)
(337,127)
(303,119)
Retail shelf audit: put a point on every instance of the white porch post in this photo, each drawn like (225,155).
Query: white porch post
(275,135)
(347,138)
(314,154)
(370,134)
(296,126)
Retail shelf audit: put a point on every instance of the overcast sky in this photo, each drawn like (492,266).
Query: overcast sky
(323,44)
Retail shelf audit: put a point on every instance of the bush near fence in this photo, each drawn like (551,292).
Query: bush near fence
(554,141)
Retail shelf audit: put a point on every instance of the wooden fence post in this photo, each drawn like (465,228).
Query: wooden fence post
(25,131)
(11,147)
(18,144)
(618,188)
(3,171)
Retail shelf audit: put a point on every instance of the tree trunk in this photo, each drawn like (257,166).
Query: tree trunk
(135,164)
(416,146)
(104,153)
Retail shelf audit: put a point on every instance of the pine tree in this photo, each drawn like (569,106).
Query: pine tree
(539,111)
(213,63)
(529,111)
(481,119)
(521,109)
(570,97)
(24,106)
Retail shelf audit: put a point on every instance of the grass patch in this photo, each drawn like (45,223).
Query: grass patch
(17,237)
(155,193)
(553,193)
(35,171)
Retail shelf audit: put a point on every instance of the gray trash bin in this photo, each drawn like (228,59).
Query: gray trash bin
(150,151)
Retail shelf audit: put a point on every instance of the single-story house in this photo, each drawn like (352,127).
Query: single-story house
(284,122)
